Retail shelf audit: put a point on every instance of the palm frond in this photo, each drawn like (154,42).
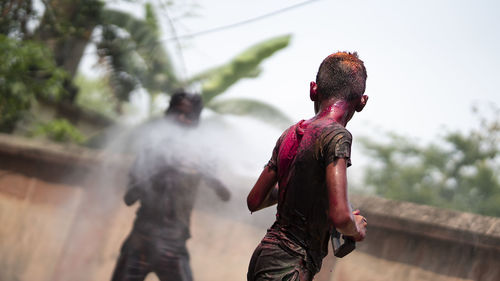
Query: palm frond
(159,73)
(246,65)
(249,107)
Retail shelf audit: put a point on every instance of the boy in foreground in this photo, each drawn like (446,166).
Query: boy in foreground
(309,164)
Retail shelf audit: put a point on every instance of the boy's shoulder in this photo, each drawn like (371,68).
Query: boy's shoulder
(292,127)
(319,129)
(335,128)
(334,133)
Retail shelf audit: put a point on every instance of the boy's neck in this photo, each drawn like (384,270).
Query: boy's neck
(340,111)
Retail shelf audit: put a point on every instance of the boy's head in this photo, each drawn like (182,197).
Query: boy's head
(341,75)
(185,108)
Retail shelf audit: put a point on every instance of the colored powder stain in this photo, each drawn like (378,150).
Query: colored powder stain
(288,149)
(296,137)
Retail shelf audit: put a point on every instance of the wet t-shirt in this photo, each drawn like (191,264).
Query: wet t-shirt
(300,158)
(167,194)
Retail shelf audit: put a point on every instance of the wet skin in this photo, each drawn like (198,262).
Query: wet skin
(327,111)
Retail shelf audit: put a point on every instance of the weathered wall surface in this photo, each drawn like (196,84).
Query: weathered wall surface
(413,242)
(62,218)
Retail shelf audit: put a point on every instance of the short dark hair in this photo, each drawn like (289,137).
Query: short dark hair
(180,95)
(341,75)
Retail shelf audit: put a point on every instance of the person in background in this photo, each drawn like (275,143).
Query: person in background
(157,242)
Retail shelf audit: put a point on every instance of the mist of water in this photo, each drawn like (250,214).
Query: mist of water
(233,150)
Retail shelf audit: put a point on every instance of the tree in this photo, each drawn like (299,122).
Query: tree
(136,59)
(27,72)
(30,72)
(14,17)
(66,27)
(246,65)
(459,172)
(139,59)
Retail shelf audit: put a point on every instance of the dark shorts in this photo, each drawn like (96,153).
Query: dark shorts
(140,256)
(279,261)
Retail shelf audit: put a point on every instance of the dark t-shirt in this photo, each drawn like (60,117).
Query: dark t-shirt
(300,158)
(167,193)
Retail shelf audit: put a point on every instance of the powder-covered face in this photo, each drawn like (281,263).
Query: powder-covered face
(185,113)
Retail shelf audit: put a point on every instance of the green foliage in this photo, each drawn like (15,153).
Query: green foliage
(249,107)
(27,72)
(245,65)
(460,172)
(15,16)
(151,19)
(66,20)
(96,95)
(130,47)
(136,59)
(59,130)
(139,59)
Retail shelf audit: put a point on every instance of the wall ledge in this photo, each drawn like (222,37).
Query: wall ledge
(430,222)
(50,152)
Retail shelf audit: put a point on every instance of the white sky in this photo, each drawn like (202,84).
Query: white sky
(428,62)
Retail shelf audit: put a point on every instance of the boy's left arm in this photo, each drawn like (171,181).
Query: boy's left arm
(265,191)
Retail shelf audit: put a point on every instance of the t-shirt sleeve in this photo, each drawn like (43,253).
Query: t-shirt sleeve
(133,174)
(273,162)
(337,145)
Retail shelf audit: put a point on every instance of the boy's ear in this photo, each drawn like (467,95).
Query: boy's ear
(362,103)
(313,91)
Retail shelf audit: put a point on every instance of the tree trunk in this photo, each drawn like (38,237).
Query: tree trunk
(66,28)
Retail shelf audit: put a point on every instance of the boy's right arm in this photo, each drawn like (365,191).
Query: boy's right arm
(133,194)
(134,189)
(340,213)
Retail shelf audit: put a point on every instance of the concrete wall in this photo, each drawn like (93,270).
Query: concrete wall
(413,242)
(53,209)
(62,218)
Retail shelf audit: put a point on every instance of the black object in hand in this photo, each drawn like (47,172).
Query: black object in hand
(342,245)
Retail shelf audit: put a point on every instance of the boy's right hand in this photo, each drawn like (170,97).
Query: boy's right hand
(361,224)
(223,193)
